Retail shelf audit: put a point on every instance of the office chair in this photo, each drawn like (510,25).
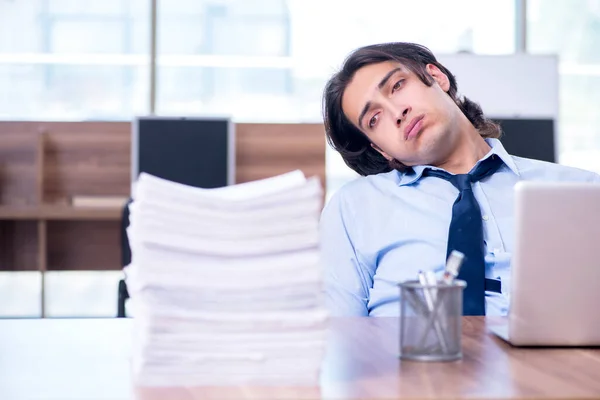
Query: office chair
(123,294)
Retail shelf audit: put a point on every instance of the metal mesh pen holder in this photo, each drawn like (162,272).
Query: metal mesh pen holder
(430,321)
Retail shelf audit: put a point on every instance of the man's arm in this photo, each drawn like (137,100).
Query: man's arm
(347,282)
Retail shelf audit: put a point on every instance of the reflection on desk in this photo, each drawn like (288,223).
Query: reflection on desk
(84,359)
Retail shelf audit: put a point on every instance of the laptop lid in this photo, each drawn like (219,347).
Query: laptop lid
(556,265)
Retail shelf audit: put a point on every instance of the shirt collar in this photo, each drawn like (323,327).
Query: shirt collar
(414,174)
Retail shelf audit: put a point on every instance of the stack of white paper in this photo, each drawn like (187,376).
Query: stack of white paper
(226,284)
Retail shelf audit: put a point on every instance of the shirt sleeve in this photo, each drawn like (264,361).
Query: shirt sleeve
(346,281)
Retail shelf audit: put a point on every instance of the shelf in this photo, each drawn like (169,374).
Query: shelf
(83,245)
(51,212)
(19,245)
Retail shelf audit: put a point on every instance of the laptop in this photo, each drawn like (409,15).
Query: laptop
(555,284)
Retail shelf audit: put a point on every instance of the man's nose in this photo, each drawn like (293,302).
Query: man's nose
(402,115)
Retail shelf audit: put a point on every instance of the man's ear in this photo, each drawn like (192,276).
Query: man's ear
(383,153)
(438,76)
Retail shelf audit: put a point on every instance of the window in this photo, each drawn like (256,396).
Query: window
(571,29)
(256,60)
(225,57)
(73,60)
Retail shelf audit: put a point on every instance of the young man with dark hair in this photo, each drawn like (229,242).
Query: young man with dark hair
(435,179)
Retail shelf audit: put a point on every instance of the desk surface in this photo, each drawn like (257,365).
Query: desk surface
(89,359)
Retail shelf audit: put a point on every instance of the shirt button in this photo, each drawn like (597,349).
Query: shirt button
(485,218)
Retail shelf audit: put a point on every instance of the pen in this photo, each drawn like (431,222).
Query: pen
(453,264)
(428,279)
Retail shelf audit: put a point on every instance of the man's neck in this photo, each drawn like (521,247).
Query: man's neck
(469,149)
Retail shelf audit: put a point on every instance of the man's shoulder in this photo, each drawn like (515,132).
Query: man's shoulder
(543,170)
(362,190)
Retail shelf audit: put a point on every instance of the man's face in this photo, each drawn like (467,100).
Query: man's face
(404,118)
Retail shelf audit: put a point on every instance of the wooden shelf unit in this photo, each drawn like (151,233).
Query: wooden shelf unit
(43,165)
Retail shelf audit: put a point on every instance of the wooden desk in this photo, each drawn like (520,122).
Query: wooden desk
(89,359)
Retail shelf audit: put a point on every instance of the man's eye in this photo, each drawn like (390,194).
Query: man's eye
(373,120)
(397,85)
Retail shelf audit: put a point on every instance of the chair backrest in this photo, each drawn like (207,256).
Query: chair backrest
(125,249)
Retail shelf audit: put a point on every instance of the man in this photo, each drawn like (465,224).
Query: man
(435,179)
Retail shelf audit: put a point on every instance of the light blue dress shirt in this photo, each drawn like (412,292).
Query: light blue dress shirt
(379,230)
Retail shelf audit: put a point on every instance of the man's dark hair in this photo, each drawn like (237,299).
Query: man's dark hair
(349,141)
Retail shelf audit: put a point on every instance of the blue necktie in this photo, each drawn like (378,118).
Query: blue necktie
(466,232)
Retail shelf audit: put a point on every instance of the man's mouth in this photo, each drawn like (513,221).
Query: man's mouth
(414,127)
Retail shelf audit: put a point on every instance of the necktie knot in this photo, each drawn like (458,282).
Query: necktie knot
(463,181)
